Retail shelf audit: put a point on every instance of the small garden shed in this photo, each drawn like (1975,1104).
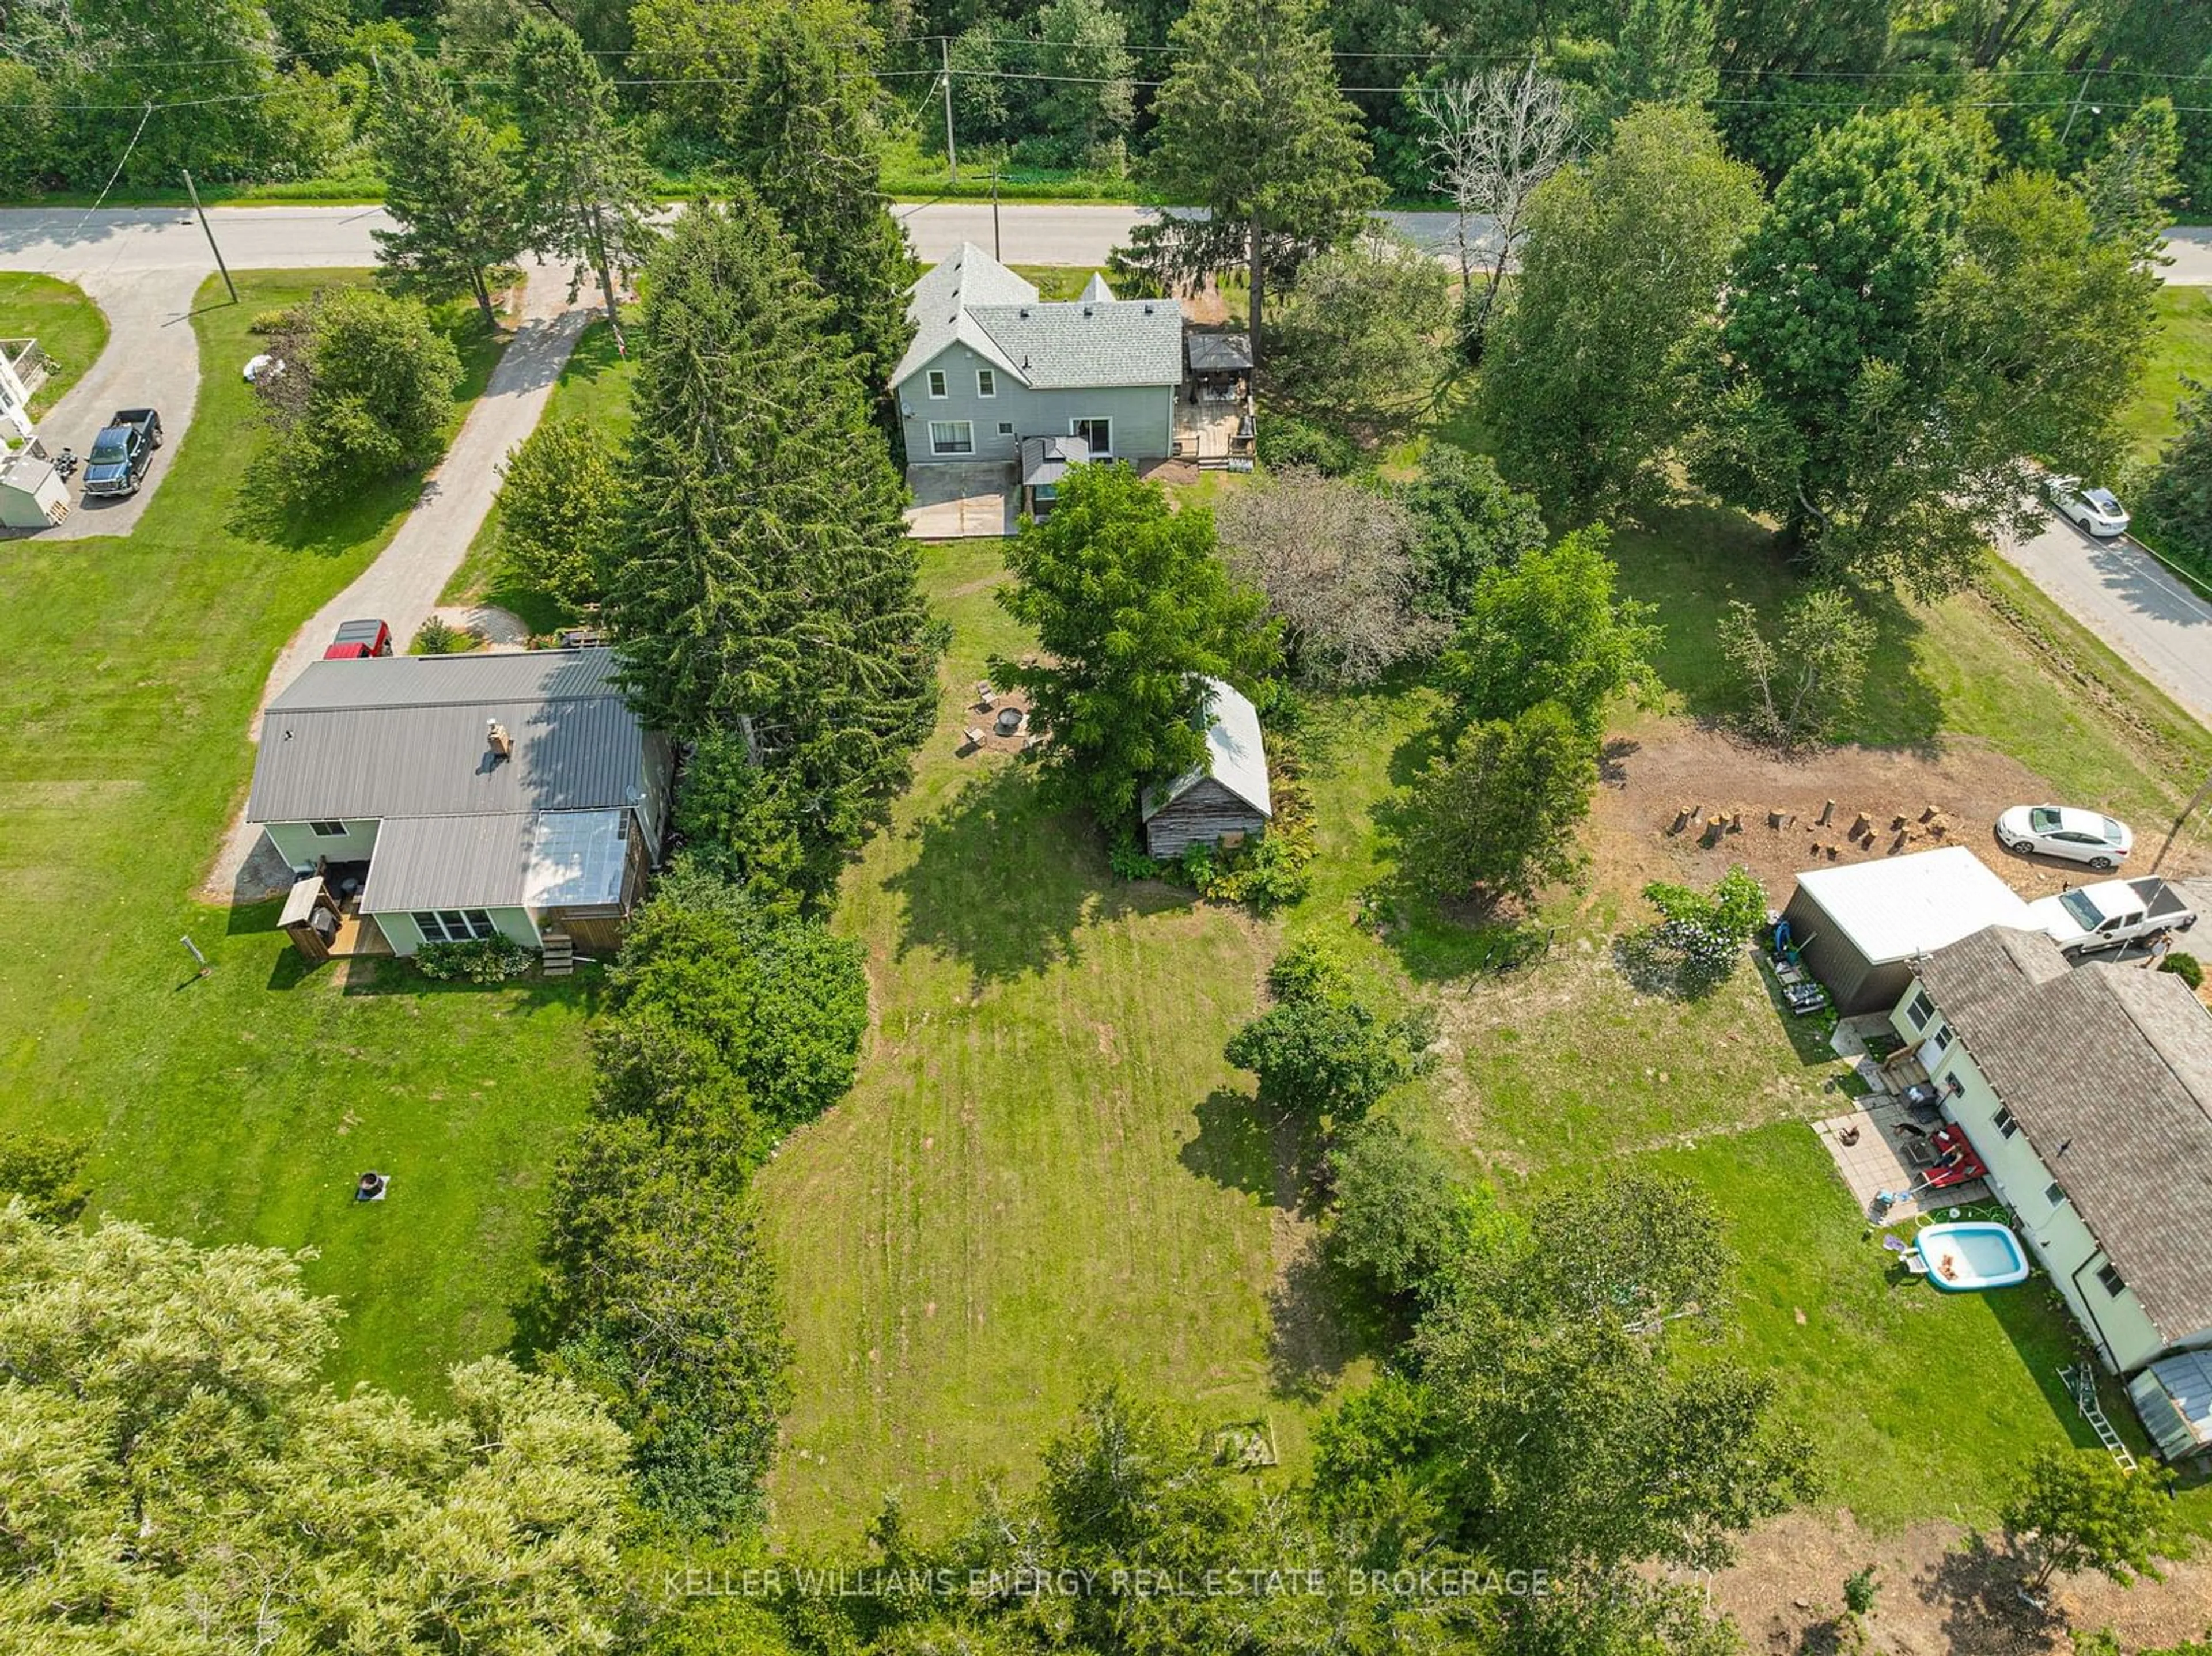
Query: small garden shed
(1858,926)
(1223,801)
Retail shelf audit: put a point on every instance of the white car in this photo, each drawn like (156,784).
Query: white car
(2096,510)
(2085,836)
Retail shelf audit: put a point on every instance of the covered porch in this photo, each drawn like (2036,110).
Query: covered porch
(1213,424)
(322,915)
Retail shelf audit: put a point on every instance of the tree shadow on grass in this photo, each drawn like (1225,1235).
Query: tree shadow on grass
(1321,1320)
(1234,1147)
(1003,883)
(1976,1588)
(1898,707)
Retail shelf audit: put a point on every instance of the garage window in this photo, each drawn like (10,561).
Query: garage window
(452,924)
(952,437)
(328,830)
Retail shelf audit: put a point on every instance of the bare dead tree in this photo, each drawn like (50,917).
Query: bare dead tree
(1492,140)
(1335,561)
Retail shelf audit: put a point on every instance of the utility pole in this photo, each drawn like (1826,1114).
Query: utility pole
(997,248)
(208,231)
(2187,811)
(945,69)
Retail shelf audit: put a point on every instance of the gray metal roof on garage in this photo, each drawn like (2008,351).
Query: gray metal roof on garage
(405,736)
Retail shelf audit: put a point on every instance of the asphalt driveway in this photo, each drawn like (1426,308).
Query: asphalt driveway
(2131,601)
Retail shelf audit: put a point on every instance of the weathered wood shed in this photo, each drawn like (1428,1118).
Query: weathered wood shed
(1226,797)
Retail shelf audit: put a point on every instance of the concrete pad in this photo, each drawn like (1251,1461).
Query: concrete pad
(1883,1158)
(956,500)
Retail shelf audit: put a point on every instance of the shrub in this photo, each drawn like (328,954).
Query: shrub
(1284,441)
(46,1170)
(1131,861)
(479,960)
(439,637)
(368,386)
(1699,940)
(280,320)
(2184,967)
(1402,1218)
(1308,971)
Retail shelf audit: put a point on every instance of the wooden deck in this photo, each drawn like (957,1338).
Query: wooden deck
(358,936)
(1206,432)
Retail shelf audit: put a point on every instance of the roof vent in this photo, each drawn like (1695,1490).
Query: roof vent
(497,739)
(1025,312)
(1148,307)
(1086,310)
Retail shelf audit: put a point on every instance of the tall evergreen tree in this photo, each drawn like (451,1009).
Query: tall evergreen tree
(808,137)
(2131,181)
(1664,56)
(449,183)
(586,196)
(1252,127)
(765,592)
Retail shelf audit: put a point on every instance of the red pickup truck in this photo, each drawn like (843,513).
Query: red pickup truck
(356,639)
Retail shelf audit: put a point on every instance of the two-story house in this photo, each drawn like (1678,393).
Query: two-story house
(990,364)
(2086,1090)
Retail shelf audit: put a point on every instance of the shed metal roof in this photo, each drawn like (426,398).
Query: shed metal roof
(2108,1070)
(1235,756)
(538,859)
(1897,907)
(405,736)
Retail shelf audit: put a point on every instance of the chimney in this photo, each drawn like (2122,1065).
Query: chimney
(495,736)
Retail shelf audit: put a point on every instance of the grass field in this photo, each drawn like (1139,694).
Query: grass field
(594,386)
(242,1106)
(70,328)
(2184,348)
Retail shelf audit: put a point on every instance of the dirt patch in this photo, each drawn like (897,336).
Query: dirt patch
(1942,1590)
(1649,784)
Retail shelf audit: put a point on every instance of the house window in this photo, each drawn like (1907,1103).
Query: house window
(1096,431)
(452,924)
(2054,1195)
(952,437)
(1953,1085)
(2114,1284)
(328,830)
(2005,1125)
(937,382)
(1921,1010)
(1940,1040)
(1006,427)
(986,382)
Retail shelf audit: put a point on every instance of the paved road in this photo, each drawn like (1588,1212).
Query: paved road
(2124,595)
(262,238)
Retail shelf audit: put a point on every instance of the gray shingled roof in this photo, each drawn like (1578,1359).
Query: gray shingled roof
(2108,1070)
(939,304)
(404,735)
(1071,343)
(1057,344)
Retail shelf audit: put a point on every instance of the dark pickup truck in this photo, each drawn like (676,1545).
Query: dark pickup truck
(122,451)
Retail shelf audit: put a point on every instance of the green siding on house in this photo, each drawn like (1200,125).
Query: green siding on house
(1143,415)
(405,937)
(2054,1231)
(299,845)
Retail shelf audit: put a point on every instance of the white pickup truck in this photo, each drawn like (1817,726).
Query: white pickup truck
(2112,913)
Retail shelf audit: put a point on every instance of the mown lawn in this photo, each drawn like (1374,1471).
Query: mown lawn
(1047,1173)
(2185,347)
(242,1106)
(593,386)
(70,328)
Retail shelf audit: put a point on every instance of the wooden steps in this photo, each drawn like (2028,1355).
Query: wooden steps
(560,955)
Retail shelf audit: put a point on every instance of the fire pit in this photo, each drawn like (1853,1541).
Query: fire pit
(1009,720)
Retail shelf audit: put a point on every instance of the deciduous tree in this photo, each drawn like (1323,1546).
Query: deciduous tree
(560,512)
(1401,1215)
(1085,114)
(1133,611)
(765,597)
(2079,1509)
(1493,141)
(2132,180)
(1805,680)
(1251,126)
(449,183)
(1496,821)
(1589,377)
(1664,54)
(1321,1053)
(2176,503)
(1466,519)
(367,388)
(1551,628)
(1355,343)
(1335,561)
(586,196)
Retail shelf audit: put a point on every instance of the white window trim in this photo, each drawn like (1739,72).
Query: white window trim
(991,374)
(952,453)
(1076,423)
(938,384)
(467,932)
(1006,427)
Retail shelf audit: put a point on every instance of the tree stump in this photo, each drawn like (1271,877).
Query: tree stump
(1862,824)
(1827,810)
(1735,823)
(1682,820)
(1930,815)
(1897,845)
